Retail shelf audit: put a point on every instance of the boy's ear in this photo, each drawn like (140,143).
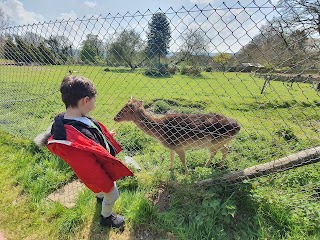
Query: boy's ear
(86,99)
(83,101)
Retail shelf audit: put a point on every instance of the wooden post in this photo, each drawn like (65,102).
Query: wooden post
(298,159)
(265,84)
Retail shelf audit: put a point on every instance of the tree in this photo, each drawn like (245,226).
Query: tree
(32,41)
(127,49)
(159,36)
(61,48)
(92,49)
(29,48)
(222,59)
(24,50)
(4,22)
(47,56)
(33,38)
(301,13)
(276,46)
(195,43)
(10,50)
(28,52)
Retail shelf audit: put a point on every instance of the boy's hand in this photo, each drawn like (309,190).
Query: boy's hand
(112,132)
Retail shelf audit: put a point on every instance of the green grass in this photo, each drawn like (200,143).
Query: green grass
(6,61)
(285,206)
(281,121)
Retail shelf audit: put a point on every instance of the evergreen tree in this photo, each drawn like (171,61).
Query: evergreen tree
(24,50)
(159,36)
(47,56)
(36,54)
(10,50)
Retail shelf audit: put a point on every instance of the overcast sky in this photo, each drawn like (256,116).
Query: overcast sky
(232,33)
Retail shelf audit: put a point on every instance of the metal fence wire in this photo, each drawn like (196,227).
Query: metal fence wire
(257,64)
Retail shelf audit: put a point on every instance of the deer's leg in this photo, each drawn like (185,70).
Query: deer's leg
(213,152)
(224,151)
(172,153)
(182,157)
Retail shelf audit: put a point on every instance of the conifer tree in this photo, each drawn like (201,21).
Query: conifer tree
(159,36)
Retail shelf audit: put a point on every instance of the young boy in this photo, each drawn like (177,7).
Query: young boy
(87,146)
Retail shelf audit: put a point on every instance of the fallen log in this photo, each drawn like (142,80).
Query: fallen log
(291,161)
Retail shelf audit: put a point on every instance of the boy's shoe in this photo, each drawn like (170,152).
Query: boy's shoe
(114,221)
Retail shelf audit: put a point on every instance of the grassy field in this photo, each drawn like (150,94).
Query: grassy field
(285,206)
(30,98)
(281,121)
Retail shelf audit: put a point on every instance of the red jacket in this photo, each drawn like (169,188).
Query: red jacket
(90,161)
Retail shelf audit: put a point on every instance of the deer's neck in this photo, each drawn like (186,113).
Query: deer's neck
(146,122)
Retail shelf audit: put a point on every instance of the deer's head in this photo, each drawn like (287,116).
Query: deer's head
(128,112)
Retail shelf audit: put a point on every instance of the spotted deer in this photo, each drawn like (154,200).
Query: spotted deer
(180,132)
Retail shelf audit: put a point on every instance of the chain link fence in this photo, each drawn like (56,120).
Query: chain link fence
(255,63)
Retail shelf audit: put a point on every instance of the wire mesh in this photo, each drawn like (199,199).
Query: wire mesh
(257,64)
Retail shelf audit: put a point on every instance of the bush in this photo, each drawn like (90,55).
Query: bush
(190,71)
(283,70)
(287,134)
(195,71)
(161,71)
(184,70)
(208,69)
(172,70)
(161,107)
(132,139)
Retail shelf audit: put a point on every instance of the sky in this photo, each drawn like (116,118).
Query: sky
(32,11)
(245,25)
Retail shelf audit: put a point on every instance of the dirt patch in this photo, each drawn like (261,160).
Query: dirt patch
(67,195)
(161,199)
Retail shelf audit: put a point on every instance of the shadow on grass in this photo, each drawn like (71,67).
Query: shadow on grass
(179,209)
(120,70)
(96,230)
(159,76)
(220,211)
